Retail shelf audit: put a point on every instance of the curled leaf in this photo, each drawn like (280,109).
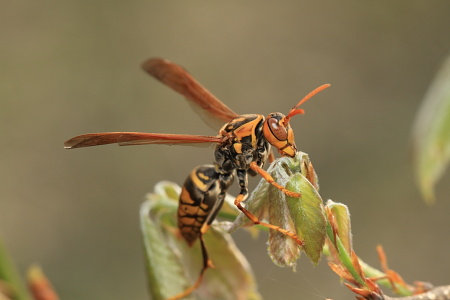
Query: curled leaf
(172,266)
(431,134)
(341,218)
(163,268)
(303,216)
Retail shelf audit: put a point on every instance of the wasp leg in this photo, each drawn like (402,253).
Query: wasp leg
(206,265)
(271,157)
(242,176)
(225,180)
(311,174)
(254,166)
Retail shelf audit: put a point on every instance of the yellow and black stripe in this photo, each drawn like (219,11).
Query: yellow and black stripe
(199,194)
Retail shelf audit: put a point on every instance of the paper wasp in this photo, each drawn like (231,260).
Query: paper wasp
(241,148)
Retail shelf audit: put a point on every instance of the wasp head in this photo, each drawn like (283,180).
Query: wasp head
(277,130)
(280,134)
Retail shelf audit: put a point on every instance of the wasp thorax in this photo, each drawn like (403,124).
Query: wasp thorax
(279,134)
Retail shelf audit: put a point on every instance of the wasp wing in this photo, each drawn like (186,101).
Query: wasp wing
(212,111)
(139,138)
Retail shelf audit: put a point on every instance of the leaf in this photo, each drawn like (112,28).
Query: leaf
(431,134)
(11,285)
(231,278)
(308,215)
(304,216)
(288,212)
(283,250)
(172,265)
(163,268)
(342,218)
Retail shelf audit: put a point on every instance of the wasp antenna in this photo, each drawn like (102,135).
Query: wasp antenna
(311,94)
(294,111)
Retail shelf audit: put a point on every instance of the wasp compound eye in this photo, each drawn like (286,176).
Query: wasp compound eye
(278,130)
(279,134)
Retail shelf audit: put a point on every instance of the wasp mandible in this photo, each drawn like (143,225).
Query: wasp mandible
(241,149)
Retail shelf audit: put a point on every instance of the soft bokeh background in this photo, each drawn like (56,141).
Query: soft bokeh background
(72,67)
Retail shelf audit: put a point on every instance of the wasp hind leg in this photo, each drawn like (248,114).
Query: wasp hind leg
(242,177)
(209,190)
(207,263)
(206,266)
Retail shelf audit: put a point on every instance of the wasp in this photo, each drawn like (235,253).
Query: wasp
(242,146)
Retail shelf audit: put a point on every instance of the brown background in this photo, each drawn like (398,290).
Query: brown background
(72,67)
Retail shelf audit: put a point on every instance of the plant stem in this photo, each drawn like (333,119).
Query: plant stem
(344,256)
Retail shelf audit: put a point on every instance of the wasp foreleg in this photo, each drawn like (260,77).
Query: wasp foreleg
(242,177)
(254,166)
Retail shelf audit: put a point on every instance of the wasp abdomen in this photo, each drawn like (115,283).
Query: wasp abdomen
(199,194)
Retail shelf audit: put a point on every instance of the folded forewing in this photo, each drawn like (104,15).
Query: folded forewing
(213,111)
(139,138)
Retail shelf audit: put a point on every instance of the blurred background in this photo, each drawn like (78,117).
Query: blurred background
(73,67)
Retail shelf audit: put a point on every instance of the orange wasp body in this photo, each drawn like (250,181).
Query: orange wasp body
(242,147)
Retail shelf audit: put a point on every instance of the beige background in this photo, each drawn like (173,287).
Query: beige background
(72,67)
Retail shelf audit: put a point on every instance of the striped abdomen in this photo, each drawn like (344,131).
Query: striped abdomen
(199,194)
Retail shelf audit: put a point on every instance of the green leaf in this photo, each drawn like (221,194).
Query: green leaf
(165,274)
(172,265)
(283,250)
(10,281)
(303,216)
(231,278)
(308,215)
(342,219)
(431,134)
